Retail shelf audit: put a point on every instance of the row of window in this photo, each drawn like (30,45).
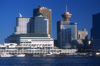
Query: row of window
(37,44)
(25,42)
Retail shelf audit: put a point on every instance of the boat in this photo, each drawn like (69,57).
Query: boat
(20,55)
(5,55)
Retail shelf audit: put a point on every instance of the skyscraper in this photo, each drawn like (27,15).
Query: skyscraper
(40,24)
(22,25)
(66,31)
(96,30)
(46,13)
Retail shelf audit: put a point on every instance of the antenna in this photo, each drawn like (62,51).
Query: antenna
(66,8)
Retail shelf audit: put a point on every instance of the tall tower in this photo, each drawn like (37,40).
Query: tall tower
(96,30)
(66,17)
(66,31)
(46,13)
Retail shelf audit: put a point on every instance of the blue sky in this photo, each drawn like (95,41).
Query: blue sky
(81,10)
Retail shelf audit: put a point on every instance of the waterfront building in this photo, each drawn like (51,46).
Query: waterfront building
(35,40)
(13,48)
(32,31)
(46,13)
(96,30)
(66,32)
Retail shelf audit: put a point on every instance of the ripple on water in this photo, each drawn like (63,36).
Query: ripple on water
(50,61)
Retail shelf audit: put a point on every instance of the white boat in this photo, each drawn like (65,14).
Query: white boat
(5,55)
(20,55)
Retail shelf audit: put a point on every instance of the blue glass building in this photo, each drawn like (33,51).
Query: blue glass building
(96,30)
(67,34)
(40,24)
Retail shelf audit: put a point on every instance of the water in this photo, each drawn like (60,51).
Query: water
(50,61)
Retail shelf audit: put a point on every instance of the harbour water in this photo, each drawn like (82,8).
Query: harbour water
(50,61)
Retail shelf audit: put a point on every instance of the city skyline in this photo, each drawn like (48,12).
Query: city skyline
(81,14)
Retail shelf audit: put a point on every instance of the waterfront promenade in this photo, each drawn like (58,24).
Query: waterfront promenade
(38,51)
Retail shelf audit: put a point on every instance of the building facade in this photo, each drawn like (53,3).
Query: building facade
(22,25)
(40,24)
(83,37)
(35,40)
(68,34)
(83,34)
(96,30)
(46,13)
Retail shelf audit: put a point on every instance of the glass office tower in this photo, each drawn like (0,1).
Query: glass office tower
(68,33)
(46,13)
(40,24)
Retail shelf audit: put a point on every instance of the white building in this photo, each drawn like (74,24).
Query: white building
(22,25)
(35,40)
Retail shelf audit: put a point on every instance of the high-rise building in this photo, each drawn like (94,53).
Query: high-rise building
(22,25)
(46,13)
(83,34)
(96,30)
(40,24)
(66,31)
(83,37)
